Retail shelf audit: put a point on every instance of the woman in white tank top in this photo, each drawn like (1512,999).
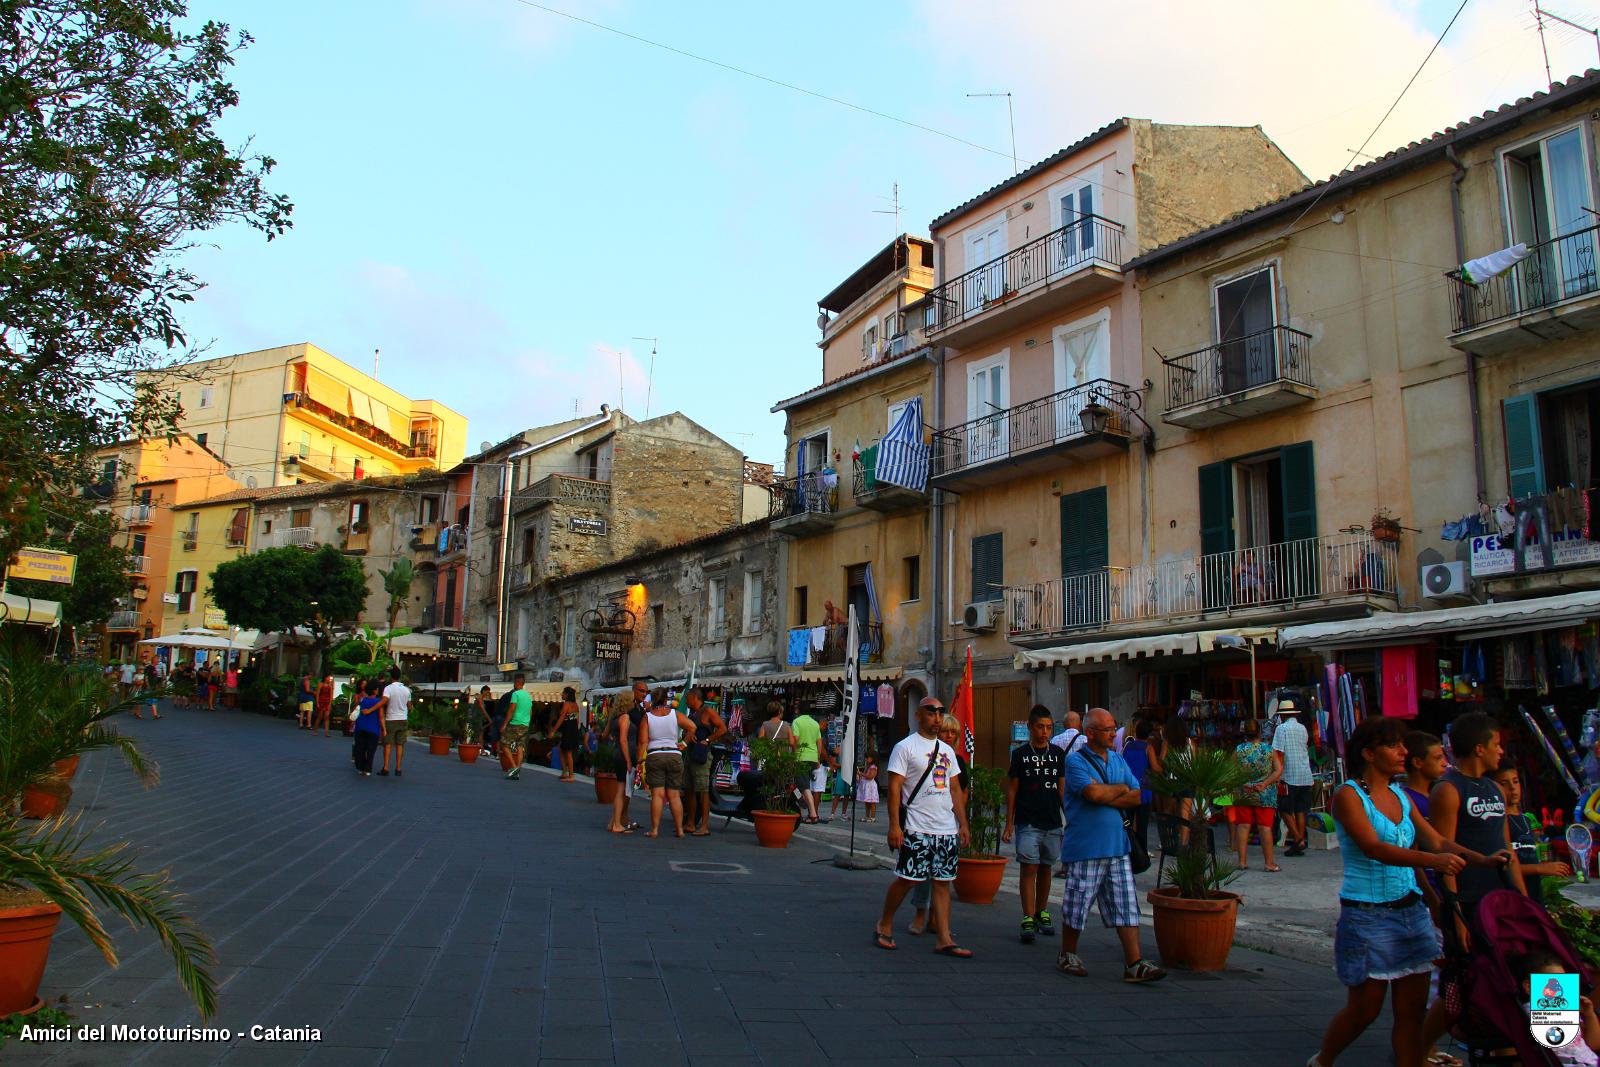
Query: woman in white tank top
(662,755)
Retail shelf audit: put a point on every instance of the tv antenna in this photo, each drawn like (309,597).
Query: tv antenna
(650,383)
(1540,14)
(893,208)
(1010,114)
(375,352)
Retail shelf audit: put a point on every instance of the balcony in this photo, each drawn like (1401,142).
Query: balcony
(123,620)
(1249,375)
(561,488)
(298,536)
(1318,572)
(361,428)
(1064,267)
(522,575)
(868,492)
(138,564)
(1552,294)
(425,538)
(1085,422)
(452,540)
(319,465)
(493,511)
(835,645)
(805,503)
(358,541)
(137,514)
(190,540)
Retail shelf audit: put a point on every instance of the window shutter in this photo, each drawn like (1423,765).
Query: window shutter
(1299,478)
(1216,508)
(1084,541)
(241,523)
(1524,450)
(988,567)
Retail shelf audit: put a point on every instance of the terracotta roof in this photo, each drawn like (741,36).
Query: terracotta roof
(860,372)
(895,256)
(312,490)
(1400,159)
(1021,176)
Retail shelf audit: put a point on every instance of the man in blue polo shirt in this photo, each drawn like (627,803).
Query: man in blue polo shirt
(1100,787)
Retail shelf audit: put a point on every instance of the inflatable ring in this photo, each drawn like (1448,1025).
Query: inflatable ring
(1589,807)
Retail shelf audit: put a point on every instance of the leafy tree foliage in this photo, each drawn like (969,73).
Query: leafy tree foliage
(103,568)
(281,588)
(110,164)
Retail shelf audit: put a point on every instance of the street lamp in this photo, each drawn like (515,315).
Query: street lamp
(1095,416)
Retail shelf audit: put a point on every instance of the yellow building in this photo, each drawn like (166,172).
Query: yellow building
(209,533)
(293,414)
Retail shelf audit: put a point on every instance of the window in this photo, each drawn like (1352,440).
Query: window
(800,606)
(305,444)
(986,246)
(144,497)
(427,510)
(300,517)
(913,573)
(658,625)
(871,345)
(1082,354)
(1072,211)
(1547,189)
(108,471)
(716,607)
(1259,500)
(200,439)
(191,532)
(360,512)
(1550,439)
(812,453)
(1085,554)
(266,526)
(988,567)
(522,629)
(238,526)
(530,545)
(753,586)
(184,586)
(137,547)
(450,581)
(895,411)
(988,397)
(893,326)
(206,393)
(1246,309)
(569,631)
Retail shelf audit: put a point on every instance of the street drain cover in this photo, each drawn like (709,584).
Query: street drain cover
(691,867)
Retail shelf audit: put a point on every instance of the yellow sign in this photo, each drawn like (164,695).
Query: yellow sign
(45,565)
(215,620)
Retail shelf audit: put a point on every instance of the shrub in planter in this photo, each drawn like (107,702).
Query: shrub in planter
(981,866)
(607,768)
(780,809)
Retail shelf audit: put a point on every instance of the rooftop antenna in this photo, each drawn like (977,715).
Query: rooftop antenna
(1012,115)
(650,383)
(1538,16)
(1540,12)
(375,352)
(893,209)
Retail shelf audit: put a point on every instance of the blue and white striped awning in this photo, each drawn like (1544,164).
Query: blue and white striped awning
(902,454)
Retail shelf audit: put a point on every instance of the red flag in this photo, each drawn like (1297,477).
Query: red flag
(961,708)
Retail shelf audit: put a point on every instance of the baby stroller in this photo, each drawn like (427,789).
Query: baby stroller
(1494,1019)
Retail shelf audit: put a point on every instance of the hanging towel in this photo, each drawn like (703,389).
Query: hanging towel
(1477,271)
(1399,690)
(799,648)
(819,638)
(902,457)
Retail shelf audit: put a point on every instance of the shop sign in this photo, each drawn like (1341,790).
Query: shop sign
(45,565)
(1493,555)
(169,598)
(592,527)
(604,649)
(462,644)
(215,620)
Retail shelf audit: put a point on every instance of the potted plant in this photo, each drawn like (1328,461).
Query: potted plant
(1195,916)
(439,721)
(467,730)
(607,765)
(50,712)
(981,866)
(779,813)
(1384,526)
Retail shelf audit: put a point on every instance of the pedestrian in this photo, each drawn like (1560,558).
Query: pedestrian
(1100,787)
(624,727)
(1524,842)
(488,718)
(867,787)
(950,734)
(213,685)
(1425,765)
(842,794)
(927,826)
(135,692)
(1255,805)
(514,726)
(369,727)
(709,728)
(152,685)
(1136,754)
(661,753)
(808,741)
(1289,741)
(566,731)
(397,721)
(230,681)
(306,703)
(1035,794)
(1384,940)
(125,677)
(324,704)
(1071,737)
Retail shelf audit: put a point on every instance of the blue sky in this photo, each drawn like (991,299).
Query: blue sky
(501,199)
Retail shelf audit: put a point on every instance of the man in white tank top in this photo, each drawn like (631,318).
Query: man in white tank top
(661,752)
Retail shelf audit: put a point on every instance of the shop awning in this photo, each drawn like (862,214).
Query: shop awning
(868,674)
(243,641)
(1097,651)
(29,611)
(1538,613)
(748,681)
(415,644)
(541,692)
(1250,635)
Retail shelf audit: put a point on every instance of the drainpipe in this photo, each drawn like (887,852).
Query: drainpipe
(501,608)
(936,619)
(1472,359)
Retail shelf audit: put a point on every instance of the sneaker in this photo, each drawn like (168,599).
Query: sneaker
(513,774)
(383,773)
(1046,927)
(1027,933)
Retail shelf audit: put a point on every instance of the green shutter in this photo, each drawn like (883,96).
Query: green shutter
(1299,479)
(1216,508)
(1084,540)
(1524,450)
(988,567)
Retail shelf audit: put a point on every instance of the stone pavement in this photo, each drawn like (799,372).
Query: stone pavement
(453,917)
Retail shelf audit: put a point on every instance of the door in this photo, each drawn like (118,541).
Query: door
(1082,355)
(1085,555)
(1247,346)
(994,709)
(986,265)
(1547,189)
(988,397)
(1075,209)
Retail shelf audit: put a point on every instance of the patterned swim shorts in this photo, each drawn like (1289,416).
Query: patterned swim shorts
(925,856)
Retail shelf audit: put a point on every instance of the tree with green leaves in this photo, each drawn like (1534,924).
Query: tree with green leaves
(110,164)
(397,583)
(103,568)
(282,588)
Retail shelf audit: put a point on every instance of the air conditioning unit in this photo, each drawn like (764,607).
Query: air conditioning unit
(982,617)
(897,346)
(1442,580)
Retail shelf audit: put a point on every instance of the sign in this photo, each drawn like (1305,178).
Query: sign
(169,598)
(1493,555)
(592,527)
(604,649)
(462,644)
(1553,1009)
(45,565)
(215,619)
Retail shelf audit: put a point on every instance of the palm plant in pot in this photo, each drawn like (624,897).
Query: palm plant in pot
(981,866)
(466,720)
(1194,916)
(608,766)
(780,811)
(50,712)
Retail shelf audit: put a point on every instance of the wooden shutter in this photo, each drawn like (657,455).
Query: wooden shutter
(1084,540)
(1524,449)
(239,527)
(1216,508)
(988,567)
(1299,479)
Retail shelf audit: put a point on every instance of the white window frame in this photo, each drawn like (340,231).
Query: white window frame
(1094,176)
(970,236)
(825,432)
(1585,138)
(192,592)
(992,440)
(893,413)
(754,593)
(207,395)
(716,606)
(1101,321)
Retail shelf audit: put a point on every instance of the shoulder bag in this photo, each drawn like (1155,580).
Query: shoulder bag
(905,807)
(1138,854)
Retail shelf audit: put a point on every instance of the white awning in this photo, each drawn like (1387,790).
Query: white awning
(748,681)
(1096,651)
(541,692)
(415,644)
(1484,620)
(244,641)
(868,674)
(1250,635)
(29,610)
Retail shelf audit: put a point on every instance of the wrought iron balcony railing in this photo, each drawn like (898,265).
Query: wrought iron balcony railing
(1279,354)
(834,647)
(303,536)
(123,620)
(1051,420)
(137,514)
(1554,271)
(138,564)
(813,493)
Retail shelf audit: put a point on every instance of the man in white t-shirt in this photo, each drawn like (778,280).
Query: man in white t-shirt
(927,825)
(396,717)
(1071,738)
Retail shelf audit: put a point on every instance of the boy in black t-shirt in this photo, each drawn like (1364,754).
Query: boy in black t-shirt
(1034,795)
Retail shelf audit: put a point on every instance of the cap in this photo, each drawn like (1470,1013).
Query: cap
(1287,706)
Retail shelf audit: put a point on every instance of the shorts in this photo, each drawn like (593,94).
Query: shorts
(1037,847)
(928,856)
(395,735)
(1384,943)
(1108,881)
(802,775)
(663,770)
(1250,815)
(699,776)
(1298,800)
(306,706)
(513,734)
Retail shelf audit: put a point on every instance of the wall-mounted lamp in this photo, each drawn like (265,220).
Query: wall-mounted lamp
(1094,416)
(634,579)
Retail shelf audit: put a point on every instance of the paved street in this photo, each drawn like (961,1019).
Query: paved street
(450,916)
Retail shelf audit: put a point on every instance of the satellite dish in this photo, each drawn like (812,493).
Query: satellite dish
(823,320)
(485,446)
(250,482)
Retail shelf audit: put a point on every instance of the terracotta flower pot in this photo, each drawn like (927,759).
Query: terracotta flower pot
(774,828)
(45,801)
(978,878)
(605,787)
(68,767)
(469,752)
(1195,934)
(438,744)
(25,934)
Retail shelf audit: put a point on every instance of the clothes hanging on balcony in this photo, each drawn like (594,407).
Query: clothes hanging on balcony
(1400,685)
(799,648)
(819,641)
(902,457)
(1477,271)
(1463,529)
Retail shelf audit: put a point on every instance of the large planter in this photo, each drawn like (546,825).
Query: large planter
(605,787)
(774,828)
(978,878)
(68,767)
(1194,934)
(469,752)
(438,744)
(25,934)
(45,802)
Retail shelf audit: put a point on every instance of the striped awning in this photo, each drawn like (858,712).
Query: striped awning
(1097,651)
(902,454)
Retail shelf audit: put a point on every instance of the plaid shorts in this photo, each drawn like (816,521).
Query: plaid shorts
(1108,880)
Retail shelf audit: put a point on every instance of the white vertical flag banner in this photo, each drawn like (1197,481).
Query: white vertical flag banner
(852,702)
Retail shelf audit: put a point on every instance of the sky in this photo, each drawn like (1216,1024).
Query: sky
(504,200)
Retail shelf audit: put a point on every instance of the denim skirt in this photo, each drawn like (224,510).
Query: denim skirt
(1384,943)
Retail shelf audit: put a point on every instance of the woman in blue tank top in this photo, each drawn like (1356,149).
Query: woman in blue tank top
(1385,936)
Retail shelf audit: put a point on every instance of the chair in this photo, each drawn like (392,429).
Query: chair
(1169,839)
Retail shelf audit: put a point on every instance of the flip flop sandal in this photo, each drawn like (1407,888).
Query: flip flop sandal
(954,950)
(1274,869)
(1444,1059)
(884,941)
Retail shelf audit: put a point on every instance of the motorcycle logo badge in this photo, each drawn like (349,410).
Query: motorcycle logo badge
(1553,1008)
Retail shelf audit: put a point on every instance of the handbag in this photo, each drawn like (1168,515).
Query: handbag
(1138,854)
